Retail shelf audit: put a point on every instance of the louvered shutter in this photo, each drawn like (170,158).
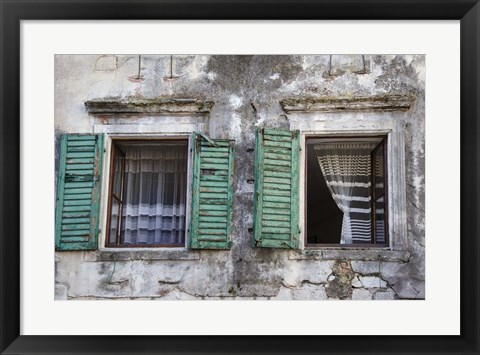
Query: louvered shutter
(276,189)
(78,192)
(211,193)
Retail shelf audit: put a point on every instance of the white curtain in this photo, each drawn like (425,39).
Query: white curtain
(346,167)
(155,194)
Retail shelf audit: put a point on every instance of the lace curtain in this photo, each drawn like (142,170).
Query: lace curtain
(155,194)
(347,171)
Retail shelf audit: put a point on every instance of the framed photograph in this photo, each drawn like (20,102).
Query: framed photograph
(199,177)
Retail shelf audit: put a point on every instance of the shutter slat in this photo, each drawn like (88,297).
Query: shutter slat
(212,207)
(222,219)
(276,189)
(213,201)
(77,202)
(277,162)
(83,232)
(286,169)
(275,223)
(273,150)
(286,157)
(89,150)
(74,239)
(223,178)
(77,196)
(206,231)
(72,191)
(272,186)
(81,161)
(277,180)
(77,184)
(280,174)
(84,167)
(276,132)
(277,192)
(73,154)
(214,184)
(78,192)
(212,213)
(86,208)
(276,211)
(215,161)
(208,148)
(211,194)
(76,226)
(278,138)
(278,144)
(277,236)
(275,217)
(212,225)
(69,215)
(276,205)
(85,137)
(285,199)
(215,166)
(212,189)
(88,143)
(211,238)
(214,154)
(67,221)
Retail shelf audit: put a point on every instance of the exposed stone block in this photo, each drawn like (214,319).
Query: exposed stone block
(385,295)
(372,282)
(356,282)
(310,292)
(366,267)
(284,293)
(361,294)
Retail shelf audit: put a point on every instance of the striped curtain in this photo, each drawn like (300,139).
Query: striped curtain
(346,167)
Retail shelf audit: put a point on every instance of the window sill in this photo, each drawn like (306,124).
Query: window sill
(126,254)
(350,254)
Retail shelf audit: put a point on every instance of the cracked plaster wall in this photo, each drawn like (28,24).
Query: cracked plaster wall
(246,91)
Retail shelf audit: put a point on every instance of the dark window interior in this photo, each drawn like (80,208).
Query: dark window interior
(324,226)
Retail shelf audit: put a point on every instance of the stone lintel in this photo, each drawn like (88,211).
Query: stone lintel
(106,106)
(348,103)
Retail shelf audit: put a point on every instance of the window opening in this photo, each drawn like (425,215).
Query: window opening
(346,191)
(148,186)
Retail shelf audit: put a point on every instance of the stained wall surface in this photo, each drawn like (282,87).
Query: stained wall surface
(246,92)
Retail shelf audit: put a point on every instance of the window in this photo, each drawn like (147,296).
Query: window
(147,196)
(346,195)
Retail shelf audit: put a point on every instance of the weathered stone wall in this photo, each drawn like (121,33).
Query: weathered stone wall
(246,92)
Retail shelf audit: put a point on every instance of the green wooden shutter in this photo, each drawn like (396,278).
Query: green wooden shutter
(211,193)
(78,192)
(276,189)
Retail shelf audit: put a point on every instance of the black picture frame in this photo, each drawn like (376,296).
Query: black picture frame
(12,12)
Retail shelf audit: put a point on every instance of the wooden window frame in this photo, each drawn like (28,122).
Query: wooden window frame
(305,217)
(110,191)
